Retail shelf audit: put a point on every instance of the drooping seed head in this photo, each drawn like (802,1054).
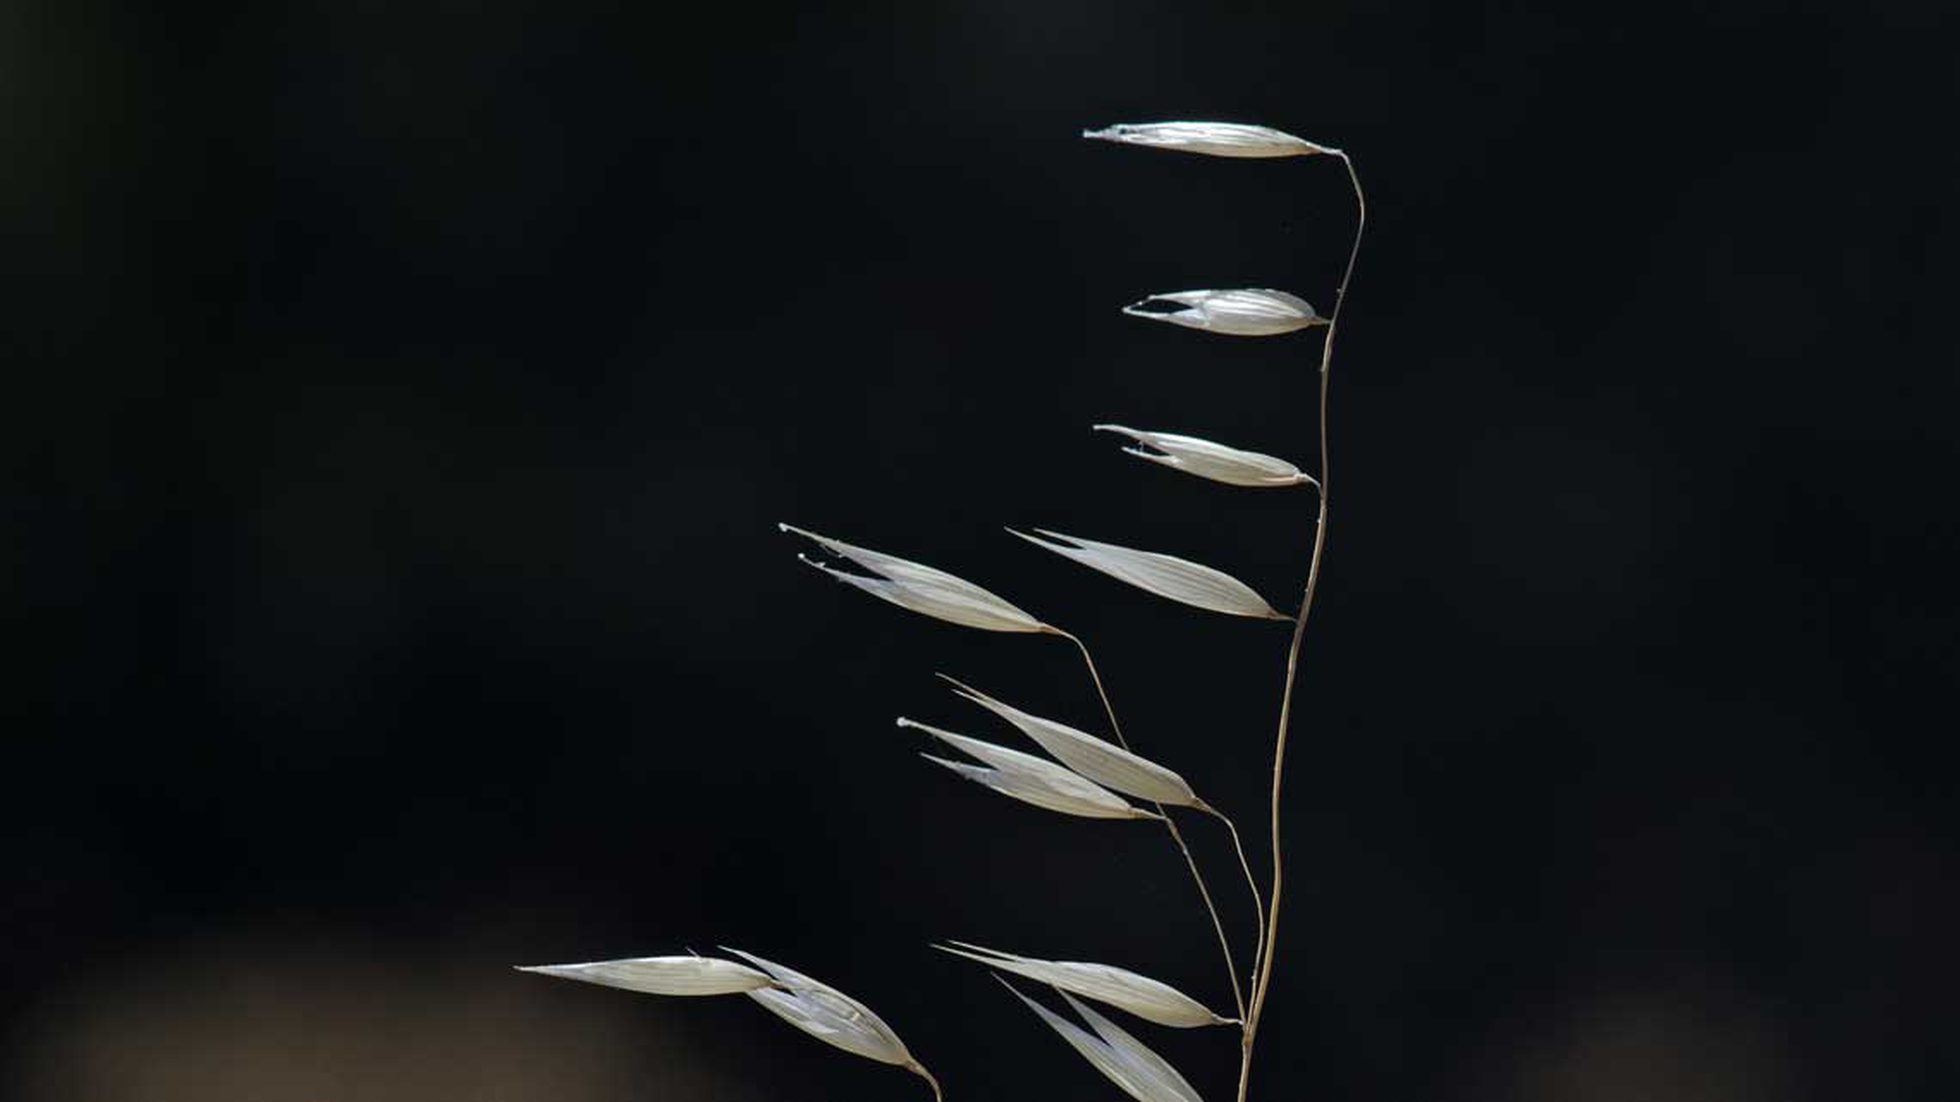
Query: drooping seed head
(1106,764)
(1238,312)
(1217,139)
(1030,779)
(662,975)
(827,1014)
(921,588)
(1151,1000)
(1209,460)
(1165,1082)
(1165,575)
(1123,1060)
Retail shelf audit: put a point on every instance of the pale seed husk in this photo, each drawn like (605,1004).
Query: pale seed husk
(1165,575)
(677,975)
(1138,1076)
(1134,1053)
(1106,764)
(826,1013)
(1031,779)
(1238,312)
(1209,460)
(1151,1000)
(1217,139)
(921,588)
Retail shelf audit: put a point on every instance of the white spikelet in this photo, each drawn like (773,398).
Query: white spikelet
(1148,1066)
(828,1014)
(1102,762)
(1165,575)
(814,1007)
(1218,139)
(922,589)
(1209,460)
(1240,312)
(662,975)
(1151,1000)
(1030,779)
(1142,1074)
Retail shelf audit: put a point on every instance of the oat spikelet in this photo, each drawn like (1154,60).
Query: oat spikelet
(1165,575)
(1106,764)
(1141,1073)
(1213,461)
(1217,139)
(1239,312)
(1030,779)
(921,588)
(1151,1000)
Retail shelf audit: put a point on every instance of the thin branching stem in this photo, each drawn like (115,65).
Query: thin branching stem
(1102,693)
(1258,903)
(1263,984)
(1224,945)
(920,1069)
(1177,836)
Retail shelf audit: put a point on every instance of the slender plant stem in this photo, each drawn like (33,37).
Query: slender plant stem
(1224,945)
(1258,904)
(1263,984)
(1108,708)
(1177,836)
(920,1070)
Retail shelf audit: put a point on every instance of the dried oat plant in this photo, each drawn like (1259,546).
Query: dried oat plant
(1084,775)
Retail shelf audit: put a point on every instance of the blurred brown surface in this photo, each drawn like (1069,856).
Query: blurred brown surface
(272,1023)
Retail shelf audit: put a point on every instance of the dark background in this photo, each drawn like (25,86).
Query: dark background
(402,398)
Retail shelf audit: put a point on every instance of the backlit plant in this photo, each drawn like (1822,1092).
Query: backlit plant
(1084,774)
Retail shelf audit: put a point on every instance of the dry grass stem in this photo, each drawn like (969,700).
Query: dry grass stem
(1252,885)
(1177,836)
(1263,985)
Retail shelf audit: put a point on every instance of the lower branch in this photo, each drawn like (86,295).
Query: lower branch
(1204,892)
(919,1069)
(1258,904)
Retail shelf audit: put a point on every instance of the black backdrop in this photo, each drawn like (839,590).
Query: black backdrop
(403,398)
